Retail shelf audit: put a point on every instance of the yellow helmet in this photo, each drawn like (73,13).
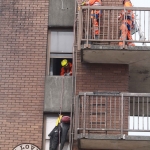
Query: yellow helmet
(64,62)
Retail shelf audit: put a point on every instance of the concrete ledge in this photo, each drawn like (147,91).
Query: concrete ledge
(53,93)
(113,137)
(114,144)
(115,55)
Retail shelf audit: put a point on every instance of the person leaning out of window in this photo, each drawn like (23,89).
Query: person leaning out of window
(66,69)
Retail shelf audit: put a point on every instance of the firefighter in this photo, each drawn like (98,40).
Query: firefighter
(66,69)
(127,18)
(95,16)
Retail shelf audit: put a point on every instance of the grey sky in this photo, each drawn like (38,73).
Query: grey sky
(143,24)
(141,3)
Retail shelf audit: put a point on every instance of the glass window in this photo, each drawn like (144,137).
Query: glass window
(60,46)
(61,41)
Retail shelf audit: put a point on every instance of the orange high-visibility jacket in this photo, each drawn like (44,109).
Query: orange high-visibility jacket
(91,2)
(68,70)
(129,21)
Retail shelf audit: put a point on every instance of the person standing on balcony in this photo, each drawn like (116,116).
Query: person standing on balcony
(127,18)
(66,69)
(95,16)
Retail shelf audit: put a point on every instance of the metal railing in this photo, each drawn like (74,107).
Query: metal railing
(112,113)
(109,25)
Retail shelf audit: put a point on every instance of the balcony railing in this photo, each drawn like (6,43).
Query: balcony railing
(109,26)
(111,113)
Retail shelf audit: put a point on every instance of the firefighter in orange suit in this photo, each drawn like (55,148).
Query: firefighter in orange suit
(127,18)
(95,15)
(66,69)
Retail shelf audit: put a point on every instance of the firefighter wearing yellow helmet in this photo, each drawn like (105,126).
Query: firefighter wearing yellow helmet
(66,69)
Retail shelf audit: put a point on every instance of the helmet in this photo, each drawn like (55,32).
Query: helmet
(64,62)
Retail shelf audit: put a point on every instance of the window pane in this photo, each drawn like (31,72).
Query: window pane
(61,42)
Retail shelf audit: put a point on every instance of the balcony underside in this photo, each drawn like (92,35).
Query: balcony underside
(115,54)
(113,143)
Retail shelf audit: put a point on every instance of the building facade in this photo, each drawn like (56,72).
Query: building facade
(35,37)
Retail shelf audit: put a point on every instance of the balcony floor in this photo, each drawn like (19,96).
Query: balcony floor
(115,54)
(112,143)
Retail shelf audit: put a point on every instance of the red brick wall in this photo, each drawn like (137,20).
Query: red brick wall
(101,77)
(23,39)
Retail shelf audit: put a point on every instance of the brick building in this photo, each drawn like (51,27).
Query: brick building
(35,36)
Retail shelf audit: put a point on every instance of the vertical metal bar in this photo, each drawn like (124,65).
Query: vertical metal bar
(135,28)
(138,113)
(117,26)
(99,110)
(79,106)
(108,29)
(84,20)
(96,111)
(121,115)
(84,117)
(90,27)
(148,103)
(87,41)
(144,26)
(148,25)
(133,110)
(143,112)
(80,29)
(77,112)
(110,112)
(103,23)
(105,112)
(112,24)
(119,109)
(101,113)
(99,24)
(129,113)
(115,115)
(91,110)
(125,16)
(139,25)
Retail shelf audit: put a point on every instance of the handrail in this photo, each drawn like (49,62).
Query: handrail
(112,113)
(109,26)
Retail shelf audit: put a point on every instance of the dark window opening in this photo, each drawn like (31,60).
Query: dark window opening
(55,65)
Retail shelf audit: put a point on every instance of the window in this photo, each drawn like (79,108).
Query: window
(60,46)
(50,122)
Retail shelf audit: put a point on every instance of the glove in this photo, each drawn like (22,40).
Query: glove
(68,74)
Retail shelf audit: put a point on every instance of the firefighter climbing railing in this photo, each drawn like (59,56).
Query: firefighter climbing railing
(112,113)
(101,25)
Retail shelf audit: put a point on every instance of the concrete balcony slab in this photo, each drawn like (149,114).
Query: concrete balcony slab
(115,54)
(114,144)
